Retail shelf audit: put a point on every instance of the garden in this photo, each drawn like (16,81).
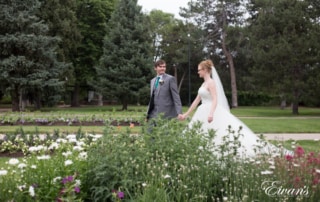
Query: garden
(119,160)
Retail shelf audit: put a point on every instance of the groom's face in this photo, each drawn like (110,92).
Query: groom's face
(160,69)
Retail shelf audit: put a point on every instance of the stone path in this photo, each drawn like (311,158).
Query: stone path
(292,136)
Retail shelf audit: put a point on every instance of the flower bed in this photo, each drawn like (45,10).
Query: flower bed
(164,165)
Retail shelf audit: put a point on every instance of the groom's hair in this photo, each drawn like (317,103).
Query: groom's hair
(159,62)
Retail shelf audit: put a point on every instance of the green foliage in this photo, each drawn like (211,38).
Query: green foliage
(92,21)
(174,163)
(28,64)
(285,48)
(50,172)
(169,159)
(246,98)
(125,66)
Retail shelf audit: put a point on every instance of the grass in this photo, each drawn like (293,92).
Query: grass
(259,119)
(307,145)
(283,125)
(63,129)
(274,112)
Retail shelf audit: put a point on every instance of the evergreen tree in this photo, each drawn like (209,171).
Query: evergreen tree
(93,16)
(285,47)
(60,16)
(125,66)
(28,62)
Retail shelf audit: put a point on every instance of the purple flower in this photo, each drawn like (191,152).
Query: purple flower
(77,189)
(67,179)
(120,195)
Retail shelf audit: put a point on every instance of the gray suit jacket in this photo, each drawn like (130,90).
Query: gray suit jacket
(165,99)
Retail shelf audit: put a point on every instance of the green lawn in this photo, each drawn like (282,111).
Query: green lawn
(259,119)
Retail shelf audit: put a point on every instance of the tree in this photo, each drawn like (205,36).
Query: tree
(216,18)
(125,65)
(285,43)
(60,16)
(28,62)
(93,16)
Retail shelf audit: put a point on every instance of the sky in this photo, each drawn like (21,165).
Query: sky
(168,6)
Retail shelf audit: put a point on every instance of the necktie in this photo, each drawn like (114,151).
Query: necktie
(157,82)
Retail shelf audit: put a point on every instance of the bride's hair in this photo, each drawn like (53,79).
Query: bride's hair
(207,65)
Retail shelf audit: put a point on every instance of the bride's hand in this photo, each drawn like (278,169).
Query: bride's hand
(182,117)
(210,119)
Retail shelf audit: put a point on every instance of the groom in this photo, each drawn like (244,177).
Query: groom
(164,94)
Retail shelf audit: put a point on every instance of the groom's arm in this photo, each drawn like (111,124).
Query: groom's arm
(175,95)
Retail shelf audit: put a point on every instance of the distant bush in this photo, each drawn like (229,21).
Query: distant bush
(249,98)
(5,100)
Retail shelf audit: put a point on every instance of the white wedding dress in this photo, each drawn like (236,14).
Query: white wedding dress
(250,143)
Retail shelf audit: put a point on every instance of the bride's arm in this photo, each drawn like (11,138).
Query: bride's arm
(194,104)
(213,92)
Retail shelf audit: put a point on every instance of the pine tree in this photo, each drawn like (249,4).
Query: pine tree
(28,63)
(125,66)
(285,48)
(92,17)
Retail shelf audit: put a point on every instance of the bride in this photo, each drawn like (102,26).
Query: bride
(214,113)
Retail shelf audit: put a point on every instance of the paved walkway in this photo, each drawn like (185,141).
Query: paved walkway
(292,136)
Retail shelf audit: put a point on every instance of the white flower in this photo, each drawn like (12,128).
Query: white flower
(267,172)
(31,191)
(68,162)
(21,187)
(161,81)
(296,165)
(318,171)
(77,148)
(54,145)
(61,140)
(166,176)
(3,172)
(78,183)
(72,140)
(68,153)
(43,157)
(71,136)
(37,148)
(34,167)
(22,165)
(80,143)
(144,184)
(83,155)
(13,161)
(56,179)
(272,167)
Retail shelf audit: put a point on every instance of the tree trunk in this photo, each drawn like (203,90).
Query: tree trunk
(100,99)
(181,81)
(37,101)
(234,92)
(15,99)
(124,104)
(295,108)
(295,103)
(283,104)
(22,101)
(75,96)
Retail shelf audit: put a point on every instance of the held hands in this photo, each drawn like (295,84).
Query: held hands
(182,117)
(210,119)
